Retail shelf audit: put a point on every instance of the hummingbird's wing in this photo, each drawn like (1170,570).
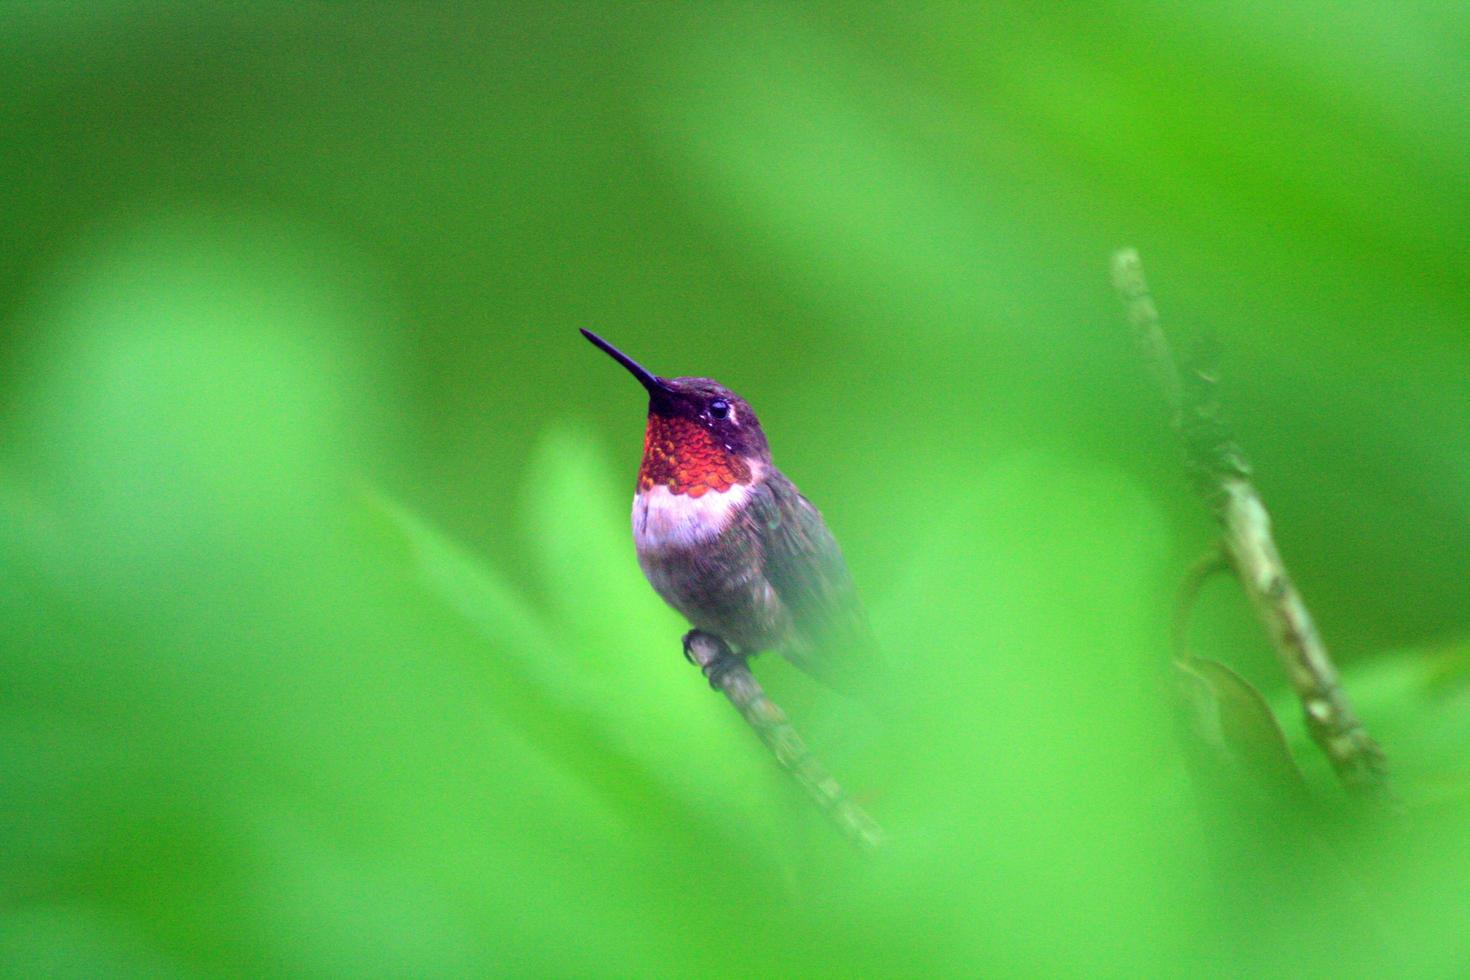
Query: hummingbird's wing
(831,639)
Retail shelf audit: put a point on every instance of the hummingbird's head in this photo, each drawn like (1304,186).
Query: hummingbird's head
(701,436)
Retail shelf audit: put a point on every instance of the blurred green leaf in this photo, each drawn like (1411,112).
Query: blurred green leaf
(468,587)
(1234,720)
(577,530)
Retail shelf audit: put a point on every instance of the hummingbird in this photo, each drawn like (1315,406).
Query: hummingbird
(728,541)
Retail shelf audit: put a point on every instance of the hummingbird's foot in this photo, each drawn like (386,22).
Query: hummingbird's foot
(693,637)
(712,655)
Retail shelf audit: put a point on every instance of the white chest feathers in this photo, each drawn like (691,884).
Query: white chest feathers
(664,520)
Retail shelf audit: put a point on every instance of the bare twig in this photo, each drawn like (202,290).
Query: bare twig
(1222,476)
(729,675)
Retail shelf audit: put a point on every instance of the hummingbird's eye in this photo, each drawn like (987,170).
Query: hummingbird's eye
(719,408)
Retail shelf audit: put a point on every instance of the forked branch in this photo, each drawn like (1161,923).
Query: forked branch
(1222,476)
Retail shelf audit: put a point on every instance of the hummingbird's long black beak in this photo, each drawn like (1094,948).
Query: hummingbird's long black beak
(652,382)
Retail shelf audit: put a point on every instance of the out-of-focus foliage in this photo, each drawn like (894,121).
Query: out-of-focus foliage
(322,645)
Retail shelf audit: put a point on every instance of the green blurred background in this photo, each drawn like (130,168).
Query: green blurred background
(324,648)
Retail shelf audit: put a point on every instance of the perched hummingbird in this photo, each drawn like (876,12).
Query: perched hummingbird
(729,541)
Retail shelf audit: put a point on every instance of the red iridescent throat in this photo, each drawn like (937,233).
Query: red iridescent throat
(682,455)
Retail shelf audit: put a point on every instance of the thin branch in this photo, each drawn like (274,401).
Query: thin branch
(729,675)
(1222,476)
(1206,567)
